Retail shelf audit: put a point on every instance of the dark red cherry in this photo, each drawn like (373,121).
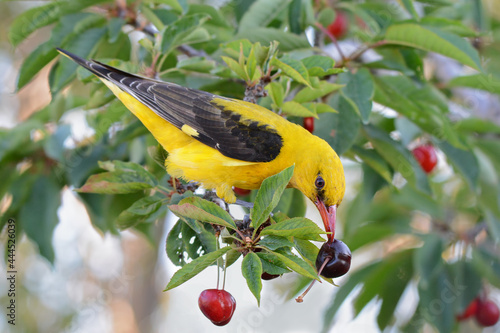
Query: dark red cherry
(340,259)
(217,305)
(241,191)
(309,124)
(487,313)
(267,276)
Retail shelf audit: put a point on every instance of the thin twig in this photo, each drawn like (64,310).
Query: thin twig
(333,39)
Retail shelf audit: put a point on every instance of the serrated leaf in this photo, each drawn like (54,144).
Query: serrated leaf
(34,62)
(176,33)
(231,257)
(251,269)
(296,109)
(276,92)
(139,211)
(124,177)
(400,158)
(360,89)
(324,108)
(183,240)
(297,264)
(203,211)
(321,66)
(39,214)
(298,227)
(375,161)
(307,250)
(485,82)
(271,264)
(408,5)
(308,94)
(339,129)
(236,67)
(464,161)
(191,269)
(292,68)
(275,242)
(434,40)
(261,13)
(292,203)
(268,196)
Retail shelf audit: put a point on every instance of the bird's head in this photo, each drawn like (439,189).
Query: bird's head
(320,176)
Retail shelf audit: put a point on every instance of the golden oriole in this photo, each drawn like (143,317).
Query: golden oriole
(222,142)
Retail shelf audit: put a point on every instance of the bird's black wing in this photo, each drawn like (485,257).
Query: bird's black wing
(217,127)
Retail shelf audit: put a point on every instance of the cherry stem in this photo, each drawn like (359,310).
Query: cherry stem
(333,39)
(217,246)
(300,299)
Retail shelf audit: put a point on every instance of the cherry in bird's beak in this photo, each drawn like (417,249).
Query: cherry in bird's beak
(328,214)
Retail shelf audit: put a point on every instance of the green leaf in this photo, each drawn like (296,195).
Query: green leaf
(183,239)
(375,161)
(434,40)
(292,203)
(296,264)
(360,89)
(339,129)
(139,211)
(180,6)
(467,284)
(203,211)
(196,64)
(476,125)
(295,109)
(485,82)
(308,94)
(275,242)
(355,279)
(269,195)
(34,62)
(40,16)
(124,177)
(251,268)
(321,66)
(299,227)
(400,158)
(261,13)
(39,214)
(191,269)
(427,259)
(408,4)
(276,92)
(65,69)
(236,67)
(464,161)
(307,250)
(418,105)
(326,16)
(176,33)
(294,14)
(388,281)
(271,264)
(210,207)
(287,41)
(292,68)
(452,26)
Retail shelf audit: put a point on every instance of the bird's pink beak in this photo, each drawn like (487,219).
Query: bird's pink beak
(328,214)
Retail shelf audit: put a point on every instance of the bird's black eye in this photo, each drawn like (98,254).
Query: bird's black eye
(320,182)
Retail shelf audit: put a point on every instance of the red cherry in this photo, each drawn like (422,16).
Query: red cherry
(339,256)
(241,191)
(338,28)
(487,313)
(309,124)
(426,157)
(469,311)
(267,276)
(217,305)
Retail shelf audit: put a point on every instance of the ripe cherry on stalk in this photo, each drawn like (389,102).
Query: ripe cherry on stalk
(338,28)
(217,305)
(426,157)
(241,191)
(339,256)
(470,311)
(309,124)
(487,313)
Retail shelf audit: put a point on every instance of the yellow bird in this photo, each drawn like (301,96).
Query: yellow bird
(223,142)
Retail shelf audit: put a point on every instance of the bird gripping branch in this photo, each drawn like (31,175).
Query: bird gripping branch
(223,142)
